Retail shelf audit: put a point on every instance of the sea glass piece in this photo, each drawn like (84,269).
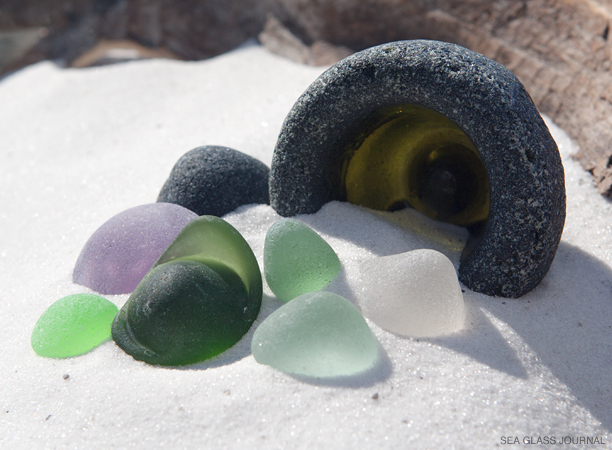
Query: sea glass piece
(297,260)
(73,325)
(318,334)
(181,313)
(123,249)
(198,300)
(416,294)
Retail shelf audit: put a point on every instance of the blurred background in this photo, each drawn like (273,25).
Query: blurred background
(560,49)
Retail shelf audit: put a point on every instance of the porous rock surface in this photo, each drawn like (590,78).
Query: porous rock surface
(527,209)
(215,180)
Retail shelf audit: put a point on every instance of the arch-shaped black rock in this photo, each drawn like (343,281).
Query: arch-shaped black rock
(485,100)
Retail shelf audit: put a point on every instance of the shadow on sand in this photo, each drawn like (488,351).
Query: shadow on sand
(379,372)
(566,321)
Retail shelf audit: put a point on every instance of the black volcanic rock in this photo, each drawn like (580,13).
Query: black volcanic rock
(513,250)
(215,180)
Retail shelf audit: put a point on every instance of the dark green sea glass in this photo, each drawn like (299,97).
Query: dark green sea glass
(198,300)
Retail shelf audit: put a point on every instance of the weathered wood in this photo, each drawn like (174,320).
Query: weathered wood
(561,52)
(560,49)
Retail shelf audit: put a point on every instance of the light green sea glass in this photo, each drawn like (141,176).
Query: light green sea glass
(73,325)
(297,260)
(198,300)
(318,334)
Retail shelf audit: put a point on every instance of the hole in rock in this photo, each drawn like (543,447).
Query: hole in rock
(412,156)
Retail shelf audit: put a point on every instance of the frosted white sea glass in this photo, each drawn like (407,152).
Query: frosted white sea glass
(416,294)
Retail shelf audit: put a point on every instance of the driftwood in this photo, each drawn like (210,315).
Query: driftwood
(560,49)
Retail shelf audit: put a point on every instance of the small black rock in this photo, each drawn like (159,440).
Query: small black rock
(511,251)
(213,180)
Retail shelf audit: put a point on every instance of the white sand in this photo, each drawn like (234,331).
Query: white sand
(78,146)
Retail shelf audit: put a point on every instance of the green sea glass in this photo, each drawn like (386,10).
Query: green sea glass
(409,155)
(199,299)
(73,325)
(318,334)
(297,260)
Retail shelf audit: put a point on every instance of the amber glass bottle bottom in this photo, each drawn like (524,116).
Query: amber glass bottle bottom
(408,155)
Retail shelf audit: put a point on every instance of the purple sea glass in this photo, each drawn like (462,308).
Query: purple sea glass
(119,253)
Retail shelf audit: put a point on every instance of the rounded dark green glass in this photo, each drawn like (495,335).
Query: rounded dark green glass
(199,299)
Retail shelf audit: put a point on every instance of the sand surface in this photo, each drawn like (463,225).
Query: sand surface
(78,146)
